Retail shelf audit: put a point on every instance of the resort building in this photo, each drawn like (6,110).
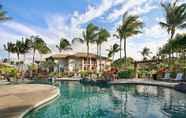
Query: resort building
(78,62)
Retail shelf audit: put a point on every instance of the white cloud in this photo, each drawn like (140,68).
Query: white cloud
(70,26)
(135,7)
(18,27)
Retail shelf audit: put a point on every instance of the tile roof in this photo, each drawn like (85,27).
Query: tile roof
(76,55)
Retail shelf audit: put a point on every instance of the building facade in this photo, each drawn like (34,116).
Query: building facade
(78,62)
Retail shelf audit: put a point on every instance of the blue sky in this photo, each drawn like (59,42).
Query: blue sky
(52,19)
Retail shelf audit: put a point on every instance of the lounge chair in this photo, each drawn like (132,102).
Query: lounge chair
(179,77)
(167,76)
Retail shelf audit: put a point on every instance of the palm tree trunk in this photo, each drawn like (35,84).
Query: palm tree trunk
(88,61)
(120,47)
(33,59)
(9,56)
(113,57)
(100,58)
(125,50)
(18,57)
(97,56)
(97,50)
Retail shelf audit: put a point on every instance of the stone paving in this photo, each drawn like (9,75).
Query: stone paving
(146,82)
(18,99)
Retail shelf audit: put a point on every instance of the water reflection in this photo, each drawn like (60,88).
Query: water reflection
(126,101)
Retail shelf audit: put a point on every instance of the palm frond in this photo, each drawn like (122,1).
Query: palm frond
(78,40)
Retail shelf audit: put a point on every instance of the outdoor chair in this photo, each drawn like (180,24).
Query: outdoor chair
(179,77)
(167,76)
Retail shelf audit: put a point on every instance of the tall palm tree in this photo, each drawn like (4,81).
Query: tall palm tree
(3,16)
(114,49)
(102,36)
(19,48)
(26,46)
(89,36)
(131,25)
(44,50)
(145,53)
(175,16)
(37,44)
(9,47)
(119,36)
(63,45)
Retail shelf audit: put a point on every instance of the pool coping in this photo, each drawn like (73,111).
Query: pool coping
(145,82)
(41,103)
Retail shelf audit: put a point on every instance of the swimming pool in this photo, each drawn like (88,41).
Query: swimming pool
(118,101)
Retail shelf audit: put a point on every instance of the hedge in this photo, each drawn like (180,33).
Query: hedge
(126,74)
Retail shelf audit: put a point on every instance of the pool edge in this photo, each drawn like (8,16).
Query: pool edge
(41,103)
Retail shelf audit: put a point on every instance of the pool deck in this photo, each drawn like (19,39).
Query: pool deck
(17,100)
(145,82)
(4,82)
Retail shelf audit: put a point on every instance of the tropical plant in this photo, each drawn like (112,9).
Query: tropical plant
(37,44)
(175,47)
(114,49)
(63,45)
(175,16)
(45,50)
(102,36)
(9,47)
(119,36)
(3,16)
(26,46)
(130,26)
(89,36)
(145,53)
(19,48)
(49,64)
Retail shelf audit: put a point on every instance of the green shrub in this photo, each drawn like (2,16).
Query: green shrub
(173,74)
(10,71)
(84,73)
(126,74)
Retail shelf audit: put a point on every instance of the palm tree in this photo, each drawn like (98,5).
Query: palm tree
(19,49)
(130,26)
(37,44)
(89,36)
(9,47)
(44,50)
(119,36)
(175,16)
(102,36)
(3,16)
(26,46)
(63,45)
(145,53)
(114,49)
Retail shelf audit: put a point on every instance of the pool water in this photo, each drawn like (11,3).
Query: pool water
(118,101)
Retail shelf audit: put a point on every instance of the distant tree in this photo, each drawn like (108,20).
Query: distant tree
(9,47)
(18,49)
(175,16)
(64,44)
(102,36)
(131,25)
(3,16)
(119,36)
(89,36)
(145,53)
(114,49)
(37,44)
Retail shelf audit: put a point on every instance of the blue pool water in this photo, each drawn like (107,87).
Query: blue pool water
(120,101)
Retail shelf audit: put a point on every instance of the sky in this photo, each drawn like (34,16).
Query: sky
(54,19)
